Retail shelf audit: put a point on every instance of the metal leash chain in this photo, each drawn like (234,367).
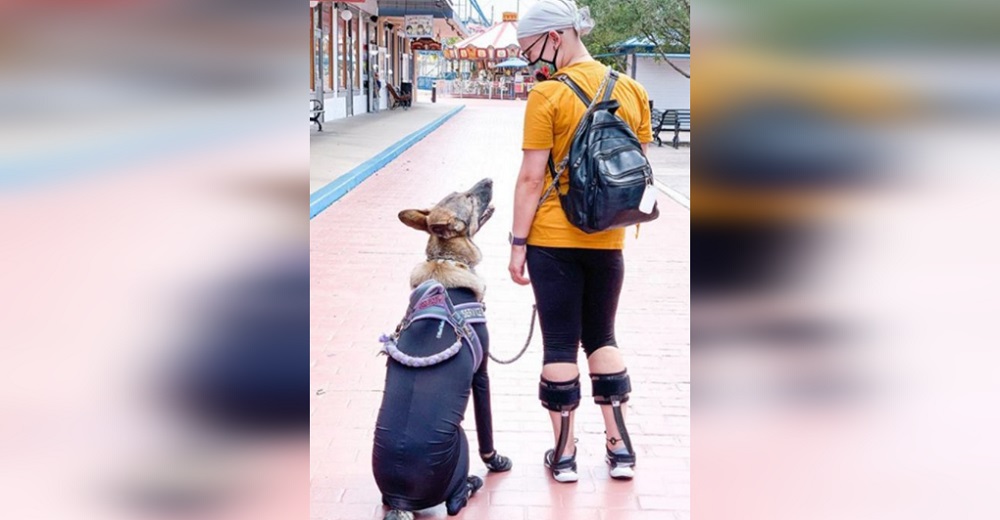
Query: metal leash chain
(531,331)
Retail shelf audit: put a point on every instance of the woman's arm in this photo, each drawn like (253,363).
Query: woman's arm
(530,183)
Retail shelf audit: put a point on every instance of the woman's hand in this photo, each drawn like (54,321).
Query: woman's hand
(517,261)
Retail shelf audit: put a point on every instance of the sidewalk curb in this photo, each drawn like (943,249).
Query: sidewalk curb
(673,194)
(332,192)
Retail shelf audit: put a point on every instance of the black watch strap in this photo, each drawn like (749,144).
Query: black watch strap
(517,241)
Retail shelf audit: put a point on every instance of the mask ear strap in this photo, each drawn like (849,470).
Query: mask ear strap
(532,46)
(545,45)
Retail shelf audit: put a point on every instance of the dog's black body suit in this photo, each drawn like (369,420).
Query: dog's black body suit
(421,455)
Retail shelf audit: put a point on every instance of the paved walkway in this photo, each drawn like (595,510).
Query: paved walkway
(361,257)
(672,167)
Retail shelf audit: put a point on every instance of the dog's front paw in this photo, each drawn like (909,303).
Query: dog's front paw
(498,463)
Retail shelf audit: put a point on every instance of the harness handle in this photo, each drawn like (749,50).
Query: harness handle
(430,300)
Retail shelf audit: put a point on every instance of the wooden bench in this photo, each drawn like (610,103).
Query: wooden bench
(655,117)
(673,120)
(316,112)
(398,100)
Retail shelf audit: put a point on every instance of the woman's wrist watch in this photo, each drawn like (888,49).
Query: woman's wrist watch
(517,241)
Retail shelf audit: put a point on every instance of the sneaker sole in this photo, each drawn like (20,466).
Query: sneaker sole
(566,476)
(622,473)
(619,472)
(563,475)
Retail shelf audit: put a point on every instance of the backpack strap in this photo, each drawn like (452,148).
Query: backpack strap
(609,86)
(568,81)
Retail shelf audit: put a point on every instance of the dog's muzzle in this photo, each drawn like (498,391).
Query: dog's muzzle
(486,215)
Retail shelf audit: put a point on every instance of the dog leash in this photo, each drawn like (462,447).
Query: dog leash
(531,331)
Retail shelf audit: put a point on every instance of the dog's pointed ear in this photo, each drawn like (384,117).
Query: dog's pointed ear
(415,218)
(446,229)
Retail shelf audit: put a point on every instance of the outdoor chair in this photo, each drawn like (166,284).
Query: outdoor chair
(316,112)
(655,118)
(398,100)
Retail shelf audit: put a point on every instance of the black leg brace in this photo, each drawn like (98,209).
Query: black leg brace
(613,389)
(562,397)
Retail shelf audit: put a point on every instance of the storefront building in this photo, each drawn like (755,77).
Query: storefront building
(358,46)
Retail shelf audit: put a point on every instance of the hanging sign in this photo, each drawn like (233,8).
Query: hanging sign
(419,26)
(425,44)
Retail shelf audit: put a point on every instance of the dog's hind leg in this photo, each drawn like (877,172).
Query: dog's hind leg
(462,485)
(461,499)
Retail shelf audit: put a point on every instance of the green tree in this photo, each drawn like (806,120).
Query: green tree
(666,23)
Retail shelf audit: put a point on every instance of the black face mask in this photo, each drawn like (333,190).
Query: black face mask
(543,69)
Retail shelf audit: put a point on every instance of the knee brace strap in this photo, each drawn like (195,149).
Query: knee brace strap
(561,396)
(611,387)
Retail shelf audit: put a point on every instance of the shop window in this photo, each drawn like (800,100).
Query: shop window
(391,43)
(356,38)
(342,39)
(312,49)
(326,54)
(369,50)
(398,59)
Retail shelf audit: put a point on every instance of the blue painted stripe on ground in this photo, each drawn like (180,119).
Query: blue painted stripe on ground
(339,187)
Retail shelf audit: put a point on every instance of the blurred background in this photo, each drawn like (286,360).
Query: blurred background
(153,173)
(844,171)
(154,266)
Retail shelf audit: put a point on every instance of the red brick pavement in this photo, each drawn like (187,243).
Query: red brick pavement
(361,257)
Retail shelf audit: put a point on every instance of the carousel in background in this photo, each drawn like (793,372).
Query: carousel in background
(486,65)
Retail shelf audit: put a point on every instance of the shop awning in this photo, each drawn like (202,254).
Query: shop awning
(435,8)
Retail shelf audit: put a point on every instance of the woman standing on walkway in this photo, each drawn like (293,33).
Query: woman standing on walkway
(576,277)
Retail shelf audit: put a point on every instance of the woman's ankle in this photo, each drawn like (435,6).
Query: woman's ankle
(615,444)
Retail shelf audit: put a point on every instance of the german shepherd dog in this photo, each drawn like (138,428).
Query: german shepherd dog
(437,358)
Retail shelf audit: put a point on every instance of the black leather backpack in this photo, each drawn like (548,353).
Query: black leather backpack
(608,173)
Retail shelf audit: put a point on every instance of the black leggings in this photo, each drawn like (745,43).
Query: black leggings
(576,291)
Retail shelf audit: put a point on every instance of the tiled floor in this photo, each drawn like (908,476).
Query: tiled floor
(361,256)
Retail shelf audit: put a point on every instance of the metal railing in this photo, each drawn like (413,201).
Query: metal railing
(481,88)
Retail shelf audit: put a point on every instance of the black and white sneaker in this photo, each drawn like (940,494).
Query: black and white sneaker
(564,470)
(620,467)
(397,514)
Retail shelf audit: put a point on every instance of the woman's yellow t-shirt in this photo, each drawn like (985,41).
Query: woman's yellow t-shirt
(550,119)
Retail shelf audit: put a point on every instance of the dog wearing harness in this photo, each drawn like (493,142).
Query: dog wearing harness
(437,358)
